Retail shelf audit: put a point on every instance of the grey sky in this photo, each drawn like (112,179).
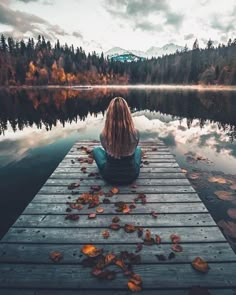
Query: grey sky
(131,24)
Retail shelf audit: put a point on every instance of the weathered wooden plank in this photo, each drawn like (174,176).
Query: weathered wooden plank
(75,276)
(123,189)
(139,182)
(102,220)
(146,169)
(39,208)
(31,253)
(128,198)
(152,164)
(92,235)
(111,291)
(77,173)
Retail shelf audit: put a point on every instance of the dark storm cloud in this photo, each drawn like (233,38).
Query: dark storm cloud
(188,36)
(136,12)
(22,23)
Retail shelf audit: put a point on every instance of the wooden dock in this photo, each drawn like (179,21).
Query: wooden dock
(27,269)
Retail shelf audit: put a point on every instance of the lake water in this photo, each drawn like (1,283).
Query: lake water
(39,126)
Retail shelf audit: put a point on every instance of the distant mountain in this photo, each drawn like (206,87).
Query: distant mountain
(151,52)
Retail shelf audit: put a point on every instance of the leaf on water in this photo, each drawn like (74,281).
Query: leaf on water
(220,180)
(225,195)
(72,217)
(158,239)
(233,186)
(175,238)
(229,228)
(129,228)
(171,255)
(106,234)
(154,214)
(161,257)
(115,219)
(139,247)
(184,170)
(99,210)
(114,226)
(200,264)
(92,215)
(114,190)
(177,248)
(91,250)
(55,256)
(232,213)
(194,176)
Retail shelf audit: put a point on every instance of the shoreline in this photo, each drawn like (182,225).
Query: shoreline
(128,86)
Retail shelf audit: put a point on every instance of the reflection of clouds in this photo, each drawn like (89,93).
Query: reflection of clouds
(17,145)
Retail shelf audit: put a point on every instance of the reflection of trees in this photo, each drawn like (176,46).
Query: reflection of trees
(43,107)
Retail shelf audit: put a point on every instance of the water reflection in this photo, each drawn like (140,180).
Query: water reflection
(39,126)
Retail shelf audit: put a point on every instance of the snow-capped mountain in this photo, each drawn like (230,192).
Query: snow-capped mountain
(151,52)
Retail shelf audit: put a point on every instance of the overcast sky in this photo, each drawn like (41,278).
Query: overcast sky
(130,24)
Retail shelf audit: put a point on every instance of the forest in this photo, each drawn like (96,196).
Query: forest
(38,62)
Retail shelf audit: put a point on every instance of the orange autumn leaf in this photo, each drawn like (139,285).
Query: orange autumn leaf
(224,195)
(232,213)
(220,180)
(91,250)
(200,264)
(133,287)
(184,170)
(194,176)
(56,256)
(109,258)
(92,215)
(99,210)
(114,190)
(120,263)
(233,186)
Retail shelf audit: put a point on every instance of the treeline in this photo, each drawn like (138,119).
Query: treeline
(38,62)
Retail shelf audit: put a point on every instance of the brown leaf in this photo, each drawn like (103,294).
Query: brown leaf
(220,180)
(129,228)
(114,226)
(158,239)
(139,247)
(115,219)
(95,187)
(232,213)
(92,215)
(148,240)
(55,256)
(120,263)
(91,250)
(200,264)
(133,287)
(175,238)
(194,176)
(233,186)
(72,217)
(161,257)
(154,214)
(171,255)
(184,170)
(114,190)
(177,248)
(109,258)
(229,228)
(106,234)
(73,185)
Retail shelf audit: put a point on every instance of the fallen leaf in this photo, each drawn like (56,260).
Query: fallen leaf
(73,185)
(194,176)
(76,206)
(154,214)
(158,239)
(161,257)
(220,180)
(175,238)
(177,248)
(99,210)
(91,250)
(233,187)
(72,217)
(106,201)
(109,258)
(114,190)
(115,219)
(129,228)
(132,206)
(135,283)
(95,187)
(229,228)
(148,240)
(139,247)
(133,287)
(171,255)
(184,170)
(232,213)
(114,226)
(225,195)
(134,185)
(120,263)
(200,264)
(106,234)
(55,256)
(92,215)
(154,149)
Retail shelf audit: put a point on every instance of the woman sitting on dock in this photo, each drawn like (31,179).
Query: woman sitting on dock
(119,159)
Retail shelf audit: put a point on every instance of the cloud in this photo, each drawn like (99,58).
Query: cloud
(224,26)
(139,12)
(23,24)
(77,35)
(188,36)
(45,2)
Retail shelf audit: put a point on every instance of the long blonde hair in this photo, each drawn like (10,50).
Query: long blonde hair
(119,131)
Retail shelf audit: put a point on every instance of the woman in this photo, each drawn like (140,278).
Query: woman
(119,159)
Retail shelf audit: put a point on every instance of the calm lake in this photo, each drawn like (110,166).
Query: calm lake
(38,127)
